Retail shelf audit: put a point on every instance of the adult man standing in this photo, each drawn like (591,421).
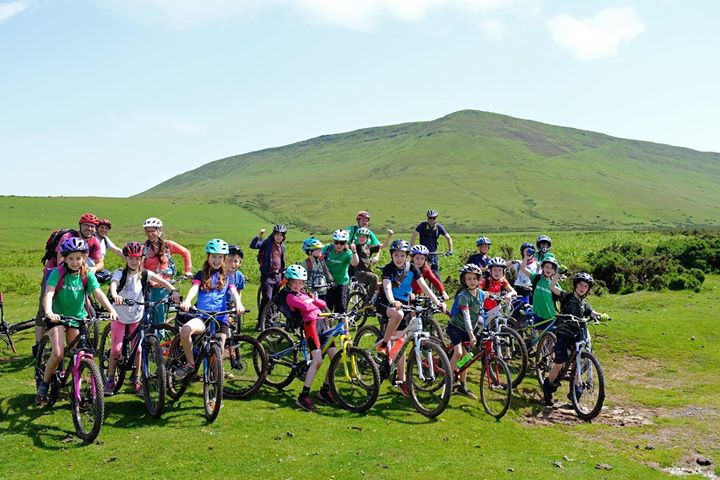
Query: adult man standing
(430,231)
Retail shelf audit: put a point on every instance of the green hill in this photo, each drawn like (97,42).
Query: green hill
(484,171)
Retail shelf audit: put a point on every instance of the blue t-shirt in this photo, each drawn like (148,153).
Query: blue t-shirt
(479,259)
(213,300)
(401,285)
(237,279)
(429,235)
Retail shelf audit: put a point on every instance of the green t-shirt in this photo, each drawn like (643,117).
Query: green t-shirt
(475,304)
(543,303)
(338,264)
(70,300)
(352,229)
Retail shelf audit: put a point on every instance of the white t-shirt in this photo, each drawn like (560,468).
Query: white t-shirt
(133,291)
(523,280)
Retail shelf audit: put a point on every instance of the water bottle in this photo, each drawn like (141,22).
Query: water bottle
(465,359)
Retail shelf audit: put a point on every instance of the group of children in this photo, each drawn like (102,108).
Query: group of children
(320,282)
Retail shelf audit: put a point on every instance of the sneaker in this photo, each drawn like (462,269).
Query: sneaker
(109,388)
(547,392)
(42,392)
(183,371)
(139,389)
(463,390)
(305,402)
(402,388)
(326,396)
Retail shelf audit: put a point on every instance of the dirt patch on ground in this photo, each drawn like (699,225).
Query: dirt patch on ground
(694,464)
(646,373)
(616,416)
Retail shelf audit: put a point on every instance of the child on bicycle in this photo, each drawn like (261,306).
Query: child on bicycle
(496,284)
(523,284)
(309,308)
(397,278)
(543,284)
(571,303)
(133,288)
(466,314)
(211,287)
(366,254)
(318,274)
(65,294)
(339,259)
(419,255)
(480,258)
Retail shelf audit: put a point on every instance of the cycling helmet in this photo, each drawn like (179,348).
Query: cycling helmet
(235,250)
(432,213)
(88,218)
(106,222)
(295,272)
(280,228)
(543,238)
(217,245)
(497,262)
(363,231)
(341,236)
(419,250)
(153,222)
(311,244)
(362,214)
(401,245)
(73,244)
(582,277)
(524,246)
(483,241)
(134,249)
(469,268)
(552,260)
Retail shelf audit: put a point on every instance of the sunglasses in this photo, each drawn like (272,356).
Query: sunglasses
(432,218)
(340,243)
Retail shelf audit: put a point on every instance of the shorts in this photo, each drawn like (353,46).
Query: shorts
(381,309)
(48,325)
(457,336)
(314,341)
(562,344)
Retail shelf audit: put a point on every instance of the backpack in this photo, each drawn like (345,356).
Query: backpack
(294,318)
(52,243)
(143,281)
(61,281)
(455,309)
(404,274)
(170,269)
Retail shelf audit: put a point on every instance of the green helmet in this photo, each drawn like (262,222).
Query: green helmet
(217,245)
(295,272)
(550,259)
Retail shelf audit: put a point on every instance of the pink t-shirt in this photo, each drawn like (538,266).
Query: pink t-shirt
(308,306)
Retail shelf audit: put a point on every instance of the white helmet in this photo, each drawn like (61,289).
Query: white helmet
(341,236)
(153,222)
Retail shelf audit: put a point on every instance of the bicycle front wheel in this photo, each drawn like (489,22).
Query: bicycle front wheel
(354,379)
(213,383)
(281,356)
(511,348)
(153,377)
(245,366)
(544,356)
(174,360)
(429,380)
(495,387)
(87,402)
(587,387)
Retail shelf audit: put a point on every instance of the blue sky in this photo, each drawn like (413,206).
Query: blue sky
(128,93)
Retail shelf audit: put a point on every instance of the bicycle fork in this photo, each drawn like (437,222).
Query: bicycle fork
(76,374)
(419,339)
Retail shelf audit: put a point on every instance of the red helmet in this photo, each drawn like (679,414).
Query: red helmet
(88,218)
(106,222)
(362,214)
(134,249)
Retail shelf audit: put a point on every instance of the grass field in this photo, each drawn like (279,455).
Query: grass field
(661,356)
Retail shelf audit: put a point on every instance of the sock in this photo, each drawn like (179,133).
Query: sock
(305,392)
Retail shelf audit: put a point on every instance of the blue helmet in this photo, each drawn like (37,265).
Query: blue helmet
(296,272)
(218,246)
(483,241)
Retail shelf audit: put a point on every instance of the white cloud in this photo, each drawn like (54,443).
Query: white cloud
(599,36)
(10,9)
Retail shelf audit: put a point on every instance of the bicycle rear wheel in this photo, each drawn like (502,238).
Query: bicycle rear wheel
(429,382)
(587,388)
(544,355)
(354,379)
(511,348)
(281,356)
(87,401)
(213,383)
(175,359)
(245,366)
(495,387)
(153,377)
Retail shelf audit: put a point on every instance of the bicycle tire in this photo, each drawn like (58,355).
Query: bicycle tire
(44,352)
(93,334)
(280,366)
(591,384)
(153,377)
(495,387)
(89,411)
(7,336)
(213,383)
(103,355)
(245,367)
(272,316)
(175,359)
(354,371)
(544,355)
(431,326)
(423,394)
(514,353)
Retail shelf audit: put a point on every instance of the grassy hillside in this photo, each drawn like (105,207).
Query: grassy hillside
(482,170)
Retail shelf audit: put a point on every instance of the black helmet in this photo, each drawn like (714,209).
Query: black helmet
(543,238)
(582,277)
(401,245)
(432,213)
(236,250)
(280,228)
(469,268)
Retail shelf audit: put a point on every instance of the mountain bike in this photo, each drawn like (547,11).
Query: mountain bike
(87,402)
(428,373)
(353,376)
(245,363)
(206,352)
(587,382)
(509,345)
(7,330)
(537,336)
(152,363)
